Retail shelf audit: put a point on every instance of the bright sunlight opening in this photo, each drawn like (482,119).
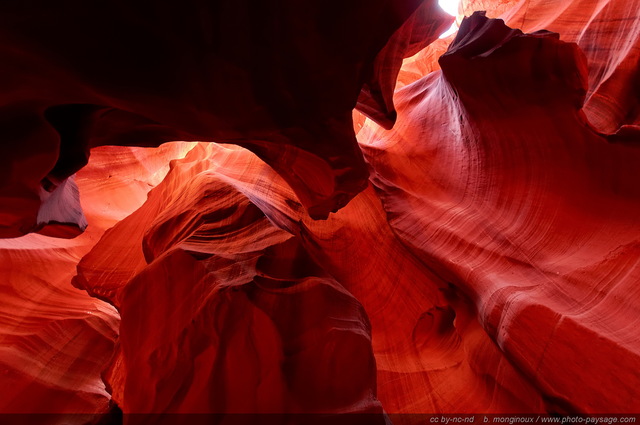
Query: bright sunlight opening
(451,7)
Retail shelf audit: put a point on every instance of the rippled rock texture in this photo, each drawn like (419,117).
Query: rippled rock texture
(472,246)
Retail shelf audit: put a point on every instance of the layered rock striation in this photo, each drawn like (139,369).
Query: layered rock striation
(195,220)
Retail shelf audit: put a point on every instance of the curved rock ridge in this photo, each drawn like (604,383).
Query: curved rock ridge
(279,78)
(206,236)
(55,341)
(489,263)
(520,204)
(225,312)
(419,31)
(608,32)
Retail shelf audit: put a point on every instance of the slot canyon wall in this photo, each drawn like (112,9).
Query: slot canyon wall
(319,208)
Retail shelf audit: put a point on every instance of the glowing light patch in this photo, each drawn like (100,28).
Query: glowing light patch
(451,7)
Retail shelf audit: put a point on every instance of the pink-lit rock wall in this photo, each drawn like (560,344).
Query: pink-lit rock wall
(241,241)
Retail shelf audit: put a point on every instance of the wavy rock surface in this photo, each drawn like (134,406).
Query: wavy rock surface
(280,79)
(490,263)
(523,206)
(608,32)
(259,326)
(56,340)
(232,252)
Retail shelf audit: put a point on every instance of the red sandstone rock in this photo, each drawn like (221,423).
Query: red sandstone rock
(520,204)
(279,78)
(56,340)
(419,351)
(222,311)
(489,266)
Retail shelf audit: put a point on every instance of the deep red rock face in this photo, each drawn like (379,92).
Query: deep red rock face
(280,79)
(484,253)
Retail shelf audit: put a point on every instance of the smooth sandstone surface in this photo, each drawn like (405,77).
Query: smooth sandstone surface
(241,241)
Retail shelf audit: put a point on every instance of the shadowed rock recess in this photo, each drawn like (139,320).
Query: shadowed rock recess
(289,212)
